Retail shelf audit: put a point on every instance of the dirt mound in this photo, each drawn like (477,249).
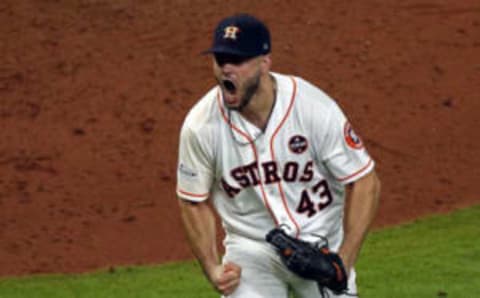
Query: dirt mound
(93,93)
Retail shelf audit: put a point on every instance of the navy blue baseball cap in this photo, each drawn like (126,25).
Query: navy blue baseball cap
(241,35)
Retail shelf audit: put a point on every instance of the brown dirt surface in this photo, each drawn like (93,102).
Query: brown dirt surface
(93,93)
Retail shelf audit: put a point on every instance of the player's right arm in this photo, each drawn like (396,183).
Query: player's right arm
(199,223)
(194,180)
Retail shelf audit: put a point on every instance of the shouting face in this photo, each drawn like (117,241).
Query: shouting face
(238,77)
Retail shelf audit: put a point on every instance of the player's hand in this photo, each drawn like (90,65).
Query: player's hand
(226,278)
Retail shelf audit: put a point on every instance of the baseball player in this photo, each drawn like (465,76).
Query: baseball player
(267,150)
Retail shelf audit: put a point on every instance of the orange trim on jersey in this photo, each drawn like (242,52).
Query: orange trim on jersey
(357,172)
(280,188)
(193,194)
(244,134)
(250,141)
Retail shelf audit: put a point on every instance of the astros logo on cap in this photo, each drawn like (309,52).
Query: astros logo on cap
(231,32)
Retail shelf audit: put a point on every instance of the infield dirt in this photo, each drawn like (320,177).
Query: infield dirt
(93,93)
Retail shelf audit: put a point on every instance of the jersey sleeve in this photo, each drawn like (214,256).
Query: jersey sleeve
(194,170)
(343,151)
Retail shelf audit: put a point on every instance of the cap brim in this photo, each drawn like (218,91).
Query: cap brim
(226,50)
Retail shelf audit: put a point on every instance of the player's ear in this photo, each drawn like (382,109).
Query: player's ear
(266,63)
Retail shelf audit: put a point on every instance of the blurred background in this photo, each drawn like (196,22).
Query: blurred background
(93,94)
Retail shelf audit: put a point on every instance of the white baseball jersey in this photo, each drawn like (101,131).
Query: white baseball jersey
(293,173)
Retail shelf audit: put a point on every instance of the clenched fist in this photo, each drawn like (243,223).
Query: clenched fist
(226,277)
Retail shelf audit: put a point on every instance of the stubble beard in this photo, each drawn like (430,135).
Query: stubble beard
(251,87)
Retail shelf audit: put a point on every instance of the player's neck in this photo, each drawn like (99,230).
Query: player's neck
(260,107)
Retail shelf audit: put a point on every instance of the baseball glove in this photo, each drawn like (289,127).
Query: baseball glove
(310,261)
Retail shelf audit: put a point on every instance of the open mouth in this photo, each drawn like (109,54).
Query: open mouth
(229,85)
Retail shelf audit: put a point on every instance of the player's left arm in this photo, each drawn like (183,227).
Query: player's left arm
(345,156)
(362,199)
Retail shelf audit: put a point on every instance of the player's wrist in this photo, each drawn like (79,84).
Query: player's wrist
(346,260)
(212,271)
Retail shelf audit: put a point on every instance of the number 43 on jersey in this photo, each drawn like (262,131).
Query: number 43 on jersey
(312,204)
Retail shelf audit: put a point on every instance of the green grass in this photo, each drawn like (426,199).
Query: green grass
(171,280)
(434,257)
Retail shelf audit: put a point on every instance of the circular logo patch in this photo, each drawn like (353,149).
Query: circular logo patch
(352,139)
(298,144)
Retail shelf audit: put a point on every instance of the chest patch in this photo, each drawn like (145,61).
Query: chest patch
(298,144)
